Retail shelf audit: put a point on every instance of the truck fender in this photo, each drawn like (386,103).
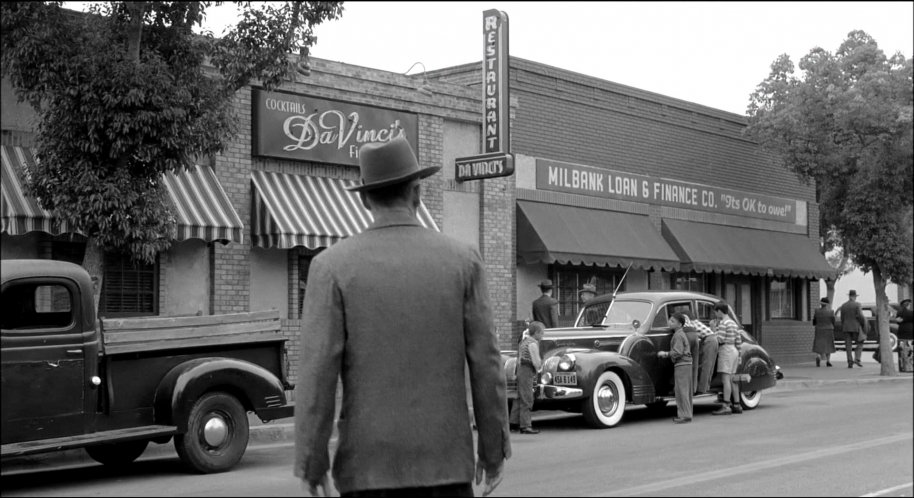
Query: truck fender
(256,387)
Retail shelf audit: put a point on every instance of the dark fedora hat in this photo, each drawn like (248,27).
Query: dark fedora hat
(545,284)
(824,300)
(852,293)
(387,163)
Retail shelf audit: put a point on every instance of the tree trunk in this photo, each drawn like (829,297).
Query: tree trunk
(136,9)
(830,291)
(94,263)
(886,358)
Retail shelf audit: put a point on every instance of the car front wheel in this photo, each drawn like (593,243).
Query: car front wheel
(217,434)
(606,404)
(750,400)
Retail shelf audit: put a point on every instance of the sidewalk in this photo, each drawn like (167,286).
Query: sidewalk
(797,377)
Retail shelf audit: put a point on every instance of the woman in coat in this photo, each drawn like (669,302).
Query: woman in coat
(824,343)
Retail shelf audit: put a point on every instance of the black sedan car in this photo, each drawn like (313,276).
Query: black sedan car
(609,361)
(872,331)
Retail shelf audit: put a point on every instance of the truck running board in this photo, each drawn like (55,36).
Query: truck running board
(63,443)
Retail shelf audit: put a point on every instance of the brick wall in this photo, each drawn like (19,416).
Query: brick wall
(789,341)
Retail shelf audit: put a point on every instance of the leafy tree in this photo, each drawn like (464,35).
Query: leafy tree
(846,124)
(129,91)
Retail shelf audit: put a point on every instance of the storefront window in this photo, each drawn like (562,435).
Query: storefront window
(568,281)
(691,281)
(782,298)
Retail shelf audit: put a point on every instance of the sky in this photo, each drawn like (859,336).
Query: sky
(709,53)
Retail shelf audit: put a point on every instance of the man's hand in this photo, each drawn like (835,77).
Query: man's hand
(493,479)
(317,488)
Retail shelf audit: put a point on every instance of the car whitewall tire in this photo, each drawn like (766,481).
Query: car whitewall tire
(606,404)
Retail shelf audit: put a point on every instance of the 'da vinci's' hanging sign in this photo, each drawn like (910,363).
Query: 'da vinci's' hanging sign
(496,159)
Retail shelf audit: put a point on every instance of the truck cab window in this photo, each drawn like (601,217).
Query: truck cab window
(36,306)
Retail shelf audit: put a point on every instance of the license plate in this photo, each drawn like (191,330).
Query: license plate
(566,379)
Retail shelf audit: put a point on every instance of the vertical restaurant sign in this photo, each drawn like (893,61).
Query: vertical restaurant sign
(496,159)
(495,97)
(598,182)
(304,128)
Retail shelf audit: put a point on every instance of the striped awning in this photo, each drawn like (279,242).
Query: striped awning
(203,210)
(310,211)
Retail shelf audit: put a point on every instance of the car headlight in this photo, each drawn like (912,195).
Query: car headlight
(567,362)
(546,378)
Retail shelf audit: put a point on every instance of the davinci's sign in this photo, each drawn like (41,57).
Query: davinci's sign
(496,159)
(304,128)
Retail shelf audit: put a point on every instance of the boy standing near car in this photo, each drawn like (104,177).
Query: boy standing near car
(729,338)
(853,325)
(681,355)
(529,362)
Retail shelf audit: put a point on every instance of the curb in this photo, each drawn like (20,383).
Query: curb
(284,433)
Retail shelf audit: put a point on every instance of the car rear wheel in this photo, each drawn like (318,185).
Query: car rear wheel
(750,400)
(217,434)
(117,454)
(606,404)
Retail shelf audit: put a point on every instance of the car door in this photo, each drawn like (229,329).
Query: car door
(660,333)
(44,368)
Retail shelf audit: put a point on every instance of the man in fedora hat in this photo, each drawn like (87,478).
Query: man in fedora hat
(545,307)
(393,293)
(853,325)
(589,291)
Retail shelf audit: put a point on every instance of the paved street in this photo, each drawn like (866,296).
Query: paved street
(835,440)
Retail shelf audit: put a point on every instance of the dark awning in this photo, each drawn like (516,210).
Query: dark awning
(703,247)
(549,233)
(202,209)
(297,210)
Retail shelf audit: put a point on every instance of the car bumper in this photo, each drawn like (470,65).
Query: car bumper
(551,392)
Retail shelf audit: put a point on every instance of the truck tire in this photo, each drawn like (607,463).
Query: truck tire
(606,404)
(217,434)
(117,454)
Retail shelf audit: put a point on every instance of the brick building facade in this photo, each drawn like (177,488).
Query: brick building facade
(558,118)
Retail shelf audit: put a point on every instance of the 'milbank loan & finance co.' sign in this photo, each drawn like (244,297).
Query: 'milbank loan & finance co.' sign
(302,128)
(598,182)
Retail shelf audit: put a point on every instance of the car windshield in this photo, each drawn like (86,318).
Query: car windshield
(620,315)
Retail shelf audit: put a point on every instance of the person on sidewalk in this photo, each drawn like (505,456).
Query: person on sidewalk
(905,321)
(681,355)
(589,291)
(823,343)
(545,307)
(728,335)
(853,326)
(528,364)
(374,300)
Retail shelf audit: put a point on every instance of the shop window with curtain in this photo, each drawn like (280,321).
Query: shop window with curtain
(691,281)
(130,288)
(782,299)
(569,279)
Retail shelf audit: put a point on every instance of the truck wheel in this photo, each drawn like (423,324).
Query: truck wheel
(217,434)
(117,454)
(605,406)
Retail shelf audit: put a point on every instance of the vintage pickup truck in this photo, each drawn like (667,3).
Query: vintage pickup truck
(113,385)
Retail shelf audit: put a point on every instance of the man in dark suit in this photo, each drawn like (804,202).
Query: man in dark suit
(545,307)
(853,324)
(397,312)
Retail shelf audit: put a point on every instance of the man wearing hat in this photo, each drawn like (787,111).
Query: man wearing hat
(589,291)
(545,307)
(853,325)
(397,293)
